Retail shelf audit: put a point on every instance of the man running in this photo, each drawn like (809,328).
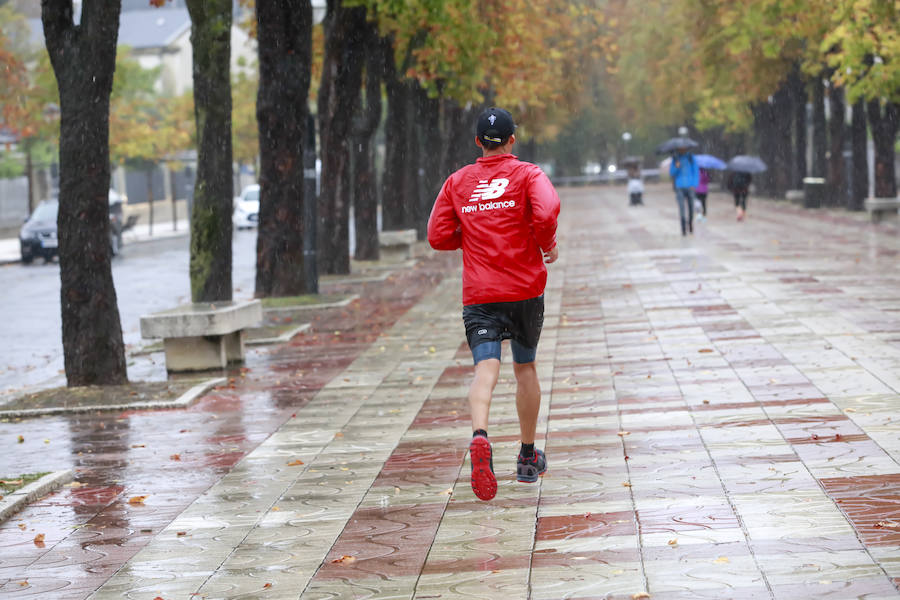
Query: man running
(502,213)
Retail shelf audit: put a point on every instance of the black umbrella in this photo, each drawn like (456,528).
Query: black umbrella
(747,164)
(675,143)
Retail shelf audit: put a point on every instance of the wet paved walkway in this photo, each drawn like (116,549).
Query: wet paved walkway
(720,420)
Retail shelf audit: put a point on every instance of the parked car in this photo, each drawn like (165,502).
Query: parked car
(38,236)
(246,208)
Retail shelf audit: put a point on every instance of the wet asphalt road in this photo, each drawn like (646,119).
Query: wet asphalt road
(149,276)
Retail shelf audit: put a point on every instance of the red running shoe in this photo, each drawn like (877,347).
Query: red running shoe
(484,483)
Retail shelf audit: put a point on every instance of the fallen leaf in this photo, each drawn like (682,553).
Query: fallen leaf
(706,402)
(345,559)
(275,508)
(295,463)
(138,446)
(673,542)
(181,533)
(267,586)
(721,560)
(137,499)
(39,538)
(12,481)
(22,526)
(850,410)
(626,484)
(640,595)
(339,434)
(20,439)
(23,583)
(887,524)
(623,433)
(705,350)
(175,457)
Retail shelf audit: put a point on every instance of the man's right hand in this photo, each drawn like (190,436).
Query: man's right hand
(552,255)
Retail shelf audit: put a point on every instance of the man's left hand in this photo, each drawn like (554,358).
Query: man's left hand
(552,255)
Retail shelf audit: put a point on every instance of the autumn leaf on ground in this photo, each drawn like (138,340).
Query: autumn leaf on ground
(705,350)
(345,559)
(267,586)
(673,542)
(887,524)
(623,433)
(295,463)
(137,499)
(626,484)
(640,595)
(22,526)
(175,457)
(21,439)
(721,560)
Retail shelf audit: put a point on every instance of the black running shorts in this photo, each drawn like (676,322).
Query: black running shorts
(521,321)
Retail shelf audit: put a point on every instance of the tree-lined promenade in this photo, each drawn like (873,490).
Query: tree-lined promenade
(576,74)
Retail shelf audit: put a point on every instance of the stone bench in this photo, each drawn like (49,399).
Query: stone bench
(203,335)
(794,196)
(879,208)
(396,246)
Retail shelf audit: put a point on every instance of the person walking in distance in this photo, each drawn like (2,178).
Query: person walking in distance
(502,212)
(685,176)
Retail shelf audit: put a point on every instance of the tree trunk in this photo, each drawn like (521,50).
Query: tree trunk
(394,189)
(84,60)
(428,111)
(365,195)
(338,101)
(214,187)
(798,95)
(764,116)
(820,133)
(284,31)
(837,127)
(783,150)
(883,119)
(860,174)
(458,141)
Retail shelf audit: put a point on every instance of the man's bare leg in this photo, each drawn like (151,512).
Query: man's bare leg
(528,399)
(487,372)
(484,482)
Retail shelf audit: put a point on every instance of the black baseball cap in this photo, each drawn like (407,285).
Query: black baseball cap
(494,126)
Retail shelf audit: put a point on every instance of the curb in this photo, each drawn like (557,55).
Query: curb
(16,501)
(186,399)
(284,337)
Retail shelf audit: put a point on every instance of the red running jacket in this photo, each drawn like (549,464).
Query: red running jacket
(502,212)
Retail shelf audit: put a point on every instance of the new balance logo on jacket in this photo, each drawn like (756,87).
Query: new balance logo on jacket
(489,190)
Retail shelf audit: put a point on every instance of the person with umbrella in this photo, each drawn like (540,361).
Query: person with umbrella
(705,162)
(685,175)
(739,180)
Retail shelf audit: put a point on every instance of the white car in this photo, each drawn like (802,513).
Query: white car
(246,208)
